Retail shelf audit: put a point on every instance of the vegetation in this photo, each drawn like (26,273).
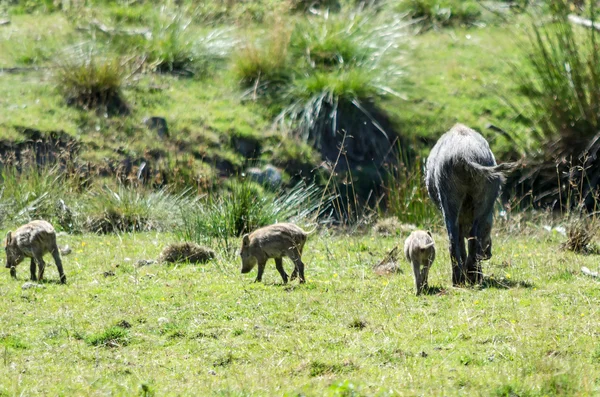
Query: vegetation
(208,329)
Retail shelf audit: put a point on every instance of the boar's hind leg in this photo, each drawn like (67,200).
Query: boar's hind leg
(32,270)
(56,256)
(451,219)
(279,266)
(41,266)
(261,269)
(299,265)
(473,263)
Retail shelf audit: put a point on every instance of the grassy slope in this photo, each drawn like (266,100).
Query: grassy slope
(450,78)
(207,329)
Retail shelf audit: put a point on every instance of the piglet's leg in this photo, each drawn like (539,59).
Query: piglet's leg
(261,269)
(61,273)
(41,266)
(279,266)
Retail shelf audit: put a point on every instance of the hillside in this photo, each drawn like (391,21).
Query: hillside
(458,73)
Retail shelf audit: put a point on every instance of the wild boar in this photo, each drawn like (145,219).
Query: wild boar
(419,249)
(274,241)
(463,180)
(33,240)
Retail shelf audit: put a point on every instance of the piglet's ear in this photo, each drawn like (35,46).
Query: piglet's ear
(246,240)
(8,238)
(428,232)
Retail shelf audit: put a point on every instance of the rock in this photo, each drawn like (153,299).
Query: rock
(144,262)
(247,147)
(159,125)
(270,175)
(163,320)
(66,250)
(31,284)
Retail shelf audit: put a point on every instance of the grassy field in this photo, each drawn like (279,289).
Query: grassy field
(530,330)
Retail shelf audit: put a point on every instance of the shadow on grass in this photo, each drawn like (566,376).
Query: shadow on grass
(435,290)
(503,283)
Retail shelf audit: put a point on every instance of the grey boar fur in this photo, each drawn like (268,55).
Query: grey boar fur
(419,249)
(274,241)
(464,181)
(33,240)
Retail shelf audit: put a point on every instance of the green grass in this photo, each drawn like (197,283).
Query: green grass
(210,330)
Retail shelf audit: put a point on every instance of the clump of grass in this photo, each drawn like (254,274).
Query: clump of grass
(92,82)
(130,209)
(186,252)
(37,192)
(580,234)
(111,337)
(441,13)
(262,66)
(246,206)
(405,194)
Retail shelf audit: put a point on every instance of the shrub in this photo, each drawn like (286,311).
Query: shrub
(90,81)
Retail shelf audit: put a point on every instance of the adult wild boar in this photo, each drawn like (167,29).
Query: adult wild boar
(463,180)
(33,240)
(274,241)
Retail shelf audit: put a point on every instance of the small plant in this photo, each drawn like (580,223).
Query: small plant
(90,81)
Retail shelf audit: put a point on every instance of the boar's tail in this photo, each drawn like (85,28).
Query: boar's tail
(431,244)
(494,172)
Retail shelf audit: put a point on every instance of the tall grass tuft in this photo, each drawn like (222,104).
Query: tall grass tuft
(405,194)
(92,82)
(562,85)
(247,206)
(129,209)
